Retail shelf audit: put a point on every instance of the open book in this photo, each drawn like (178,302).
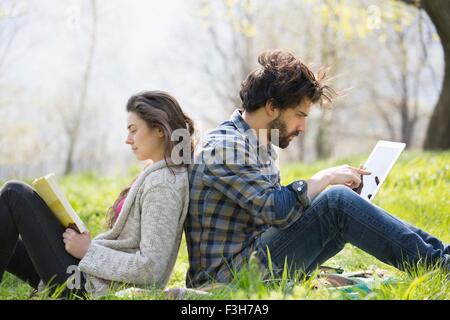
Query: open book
(48,189)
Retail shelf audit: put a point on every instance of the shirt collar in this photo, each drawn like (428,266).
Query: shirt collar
(239,122)
(243,127)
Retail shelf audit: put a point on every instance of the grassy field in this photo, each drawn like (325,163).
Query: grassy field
(417,191)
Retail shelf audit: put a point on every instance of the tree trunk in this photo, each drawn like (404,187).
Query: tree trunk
(329,57)
(73,136)
(323,143)
(438,132)
(68,168)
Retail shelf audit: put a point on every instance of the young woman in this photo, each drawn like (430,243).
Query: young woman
(146,220)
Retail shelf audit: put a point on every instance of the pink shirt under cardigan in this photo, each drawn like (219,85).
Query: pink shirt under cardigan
(119,207)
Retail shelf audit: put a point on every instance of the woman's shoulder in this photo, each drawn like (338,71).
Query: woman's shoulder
(167,176)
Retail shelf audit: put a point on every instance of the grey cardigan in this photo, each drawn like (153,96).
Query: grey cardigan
(141,248)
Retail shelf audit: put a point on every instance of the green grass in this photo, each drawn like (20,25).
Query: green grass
(417,191)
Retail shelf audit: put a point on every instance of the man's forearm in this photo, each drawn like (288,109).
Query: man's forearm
(317,183)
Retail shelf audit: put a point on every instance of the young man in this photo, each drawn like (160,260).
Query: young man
(238,207)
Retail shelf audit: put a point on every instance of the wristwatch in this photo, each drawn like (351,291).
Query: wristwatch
(301,188)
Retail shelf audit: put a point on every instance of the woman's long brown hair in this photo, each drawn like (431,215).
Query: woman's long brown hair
(159,110)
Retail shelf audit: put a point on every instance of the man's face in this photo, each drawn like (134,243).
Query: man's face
(290,122)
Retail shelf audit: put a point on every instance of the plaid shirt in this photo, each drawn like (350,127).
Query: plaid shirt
(233,183)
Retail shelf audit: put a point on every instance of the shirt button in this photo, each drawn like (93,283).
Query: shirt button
(301,183)
(299,189)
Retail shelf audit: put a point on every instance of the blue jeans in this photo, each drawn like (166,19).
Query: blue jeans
(338,216)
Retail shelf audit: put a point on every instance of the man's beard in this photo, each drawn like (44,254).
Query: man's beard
(283,136)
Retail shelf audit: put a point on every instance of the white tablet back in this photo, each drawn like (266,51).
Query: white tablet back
(380,162)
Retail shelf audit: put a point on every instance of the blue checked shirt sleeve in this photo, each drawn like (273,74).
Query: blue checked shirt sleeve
(245,185)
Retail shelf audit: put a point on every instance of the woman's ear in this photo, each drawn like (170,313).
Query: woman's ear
(160,132)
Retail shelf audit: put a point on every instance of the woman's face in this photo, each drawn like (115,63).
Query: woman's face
(146,143)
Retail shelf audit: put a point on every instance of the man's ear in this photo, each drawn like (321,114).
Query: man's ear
(271,111)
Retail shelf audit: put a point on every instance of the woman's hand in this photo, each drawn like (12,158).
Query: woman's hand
(75,243)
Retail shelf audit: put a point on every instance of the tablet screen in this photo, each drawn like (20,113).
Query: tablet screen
(380,162)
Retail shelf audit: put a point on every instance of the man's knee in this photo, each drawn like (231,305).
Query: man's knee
(340,190)
(335,194)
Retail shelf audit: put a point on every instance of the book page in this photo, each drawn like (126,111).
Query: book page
(48,189)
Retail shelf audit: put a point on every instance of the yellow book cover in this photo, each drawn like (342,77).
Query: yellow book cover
(48,189)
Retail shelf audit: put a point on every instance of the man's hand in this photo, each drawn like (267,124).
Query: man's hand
(344,175)
(75,243)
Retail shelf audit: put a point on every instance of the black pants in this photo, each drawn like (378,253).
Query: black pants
(39,253)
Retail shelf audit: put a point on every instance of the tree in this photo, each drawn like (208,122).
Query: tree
(230,28)
(8,35)
(12,20)
(72,126)
(438,132)
(329,57)
(406,81)
(342,18)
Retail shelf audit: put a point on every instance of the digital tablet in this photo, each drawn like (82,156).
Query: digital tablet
(380,162)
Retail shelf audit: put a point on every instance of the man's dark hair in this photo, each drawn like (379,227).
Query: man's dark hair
(284,81)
